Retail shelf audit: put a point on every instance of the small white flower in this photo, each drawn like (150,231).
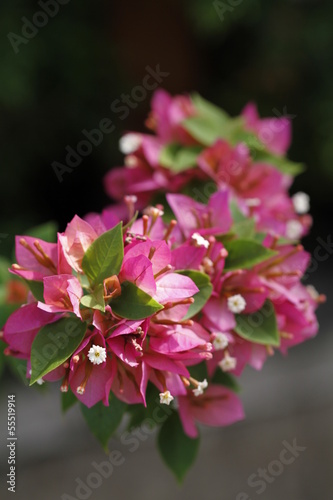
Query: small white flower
(236,304)
(294,229)
(301,203)
(166,398)
(97,354)
(220,341)
(199,240)
(80,390)
(129,143)
(200,388)
(228,363)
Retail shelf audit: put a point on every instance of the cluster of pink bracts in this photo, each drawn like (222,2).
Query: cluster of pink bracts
(218,283)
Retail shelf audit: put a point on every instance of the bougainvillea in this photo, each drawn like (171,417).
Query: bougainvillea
(165,298)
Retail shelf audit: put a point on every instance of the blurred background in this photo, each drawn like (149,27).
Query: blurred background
(62,79)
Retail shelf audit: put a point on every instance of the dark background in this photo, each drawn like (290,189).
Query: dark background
(278,53)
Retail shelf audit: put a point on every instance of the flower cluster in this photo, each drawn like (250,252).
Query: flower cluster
(183,297)
(197,144)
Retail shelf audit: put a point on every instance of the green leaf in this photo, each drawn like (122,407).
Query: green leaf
(54,344)
(134,303)
(177,449)
(199,371)
(236,213)
(259,327)
(102,420)
(225,379)
(244,254)
(4,273)
(5,311)
(95,300)
(68,399)
(179,158)
(104,256)
(46,232)
(205,290)
(244,229)
(283,164)
(140,413)
(36,288)
(209,110)
(203,129)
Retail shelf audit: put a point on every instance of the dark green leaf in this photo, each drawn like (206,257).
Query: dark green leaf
(177,449)
(259,327)
(68,399)
(223,378)
(104,256)
(5,311)
(179,158)
(205,290)
(95,300)
(134,303)
(36,288)
(54,344)
(102,420)
(244,254)
(4,273)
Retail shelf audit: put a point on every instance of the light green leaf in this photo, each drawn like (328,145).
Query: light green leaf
(104,256)
(259,327)
(283,164)
(209,110)
(102,420)
(54,344)
(177,449)
(134,303)
(244,254)
(95,300)
(179,158)
(205,290)
(203,129)
(244,229)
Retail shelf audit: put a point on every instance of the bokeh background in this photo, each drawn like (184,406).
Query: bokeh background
(276,52)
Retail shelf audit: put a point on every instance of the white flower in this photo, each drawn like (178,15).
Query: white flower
(80,390)
(199,240)
(236,304)
(129,143)
(200,388)
(220,341)
(228,363)
(301,203)
(166,398)
(294,229)
(97,354)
